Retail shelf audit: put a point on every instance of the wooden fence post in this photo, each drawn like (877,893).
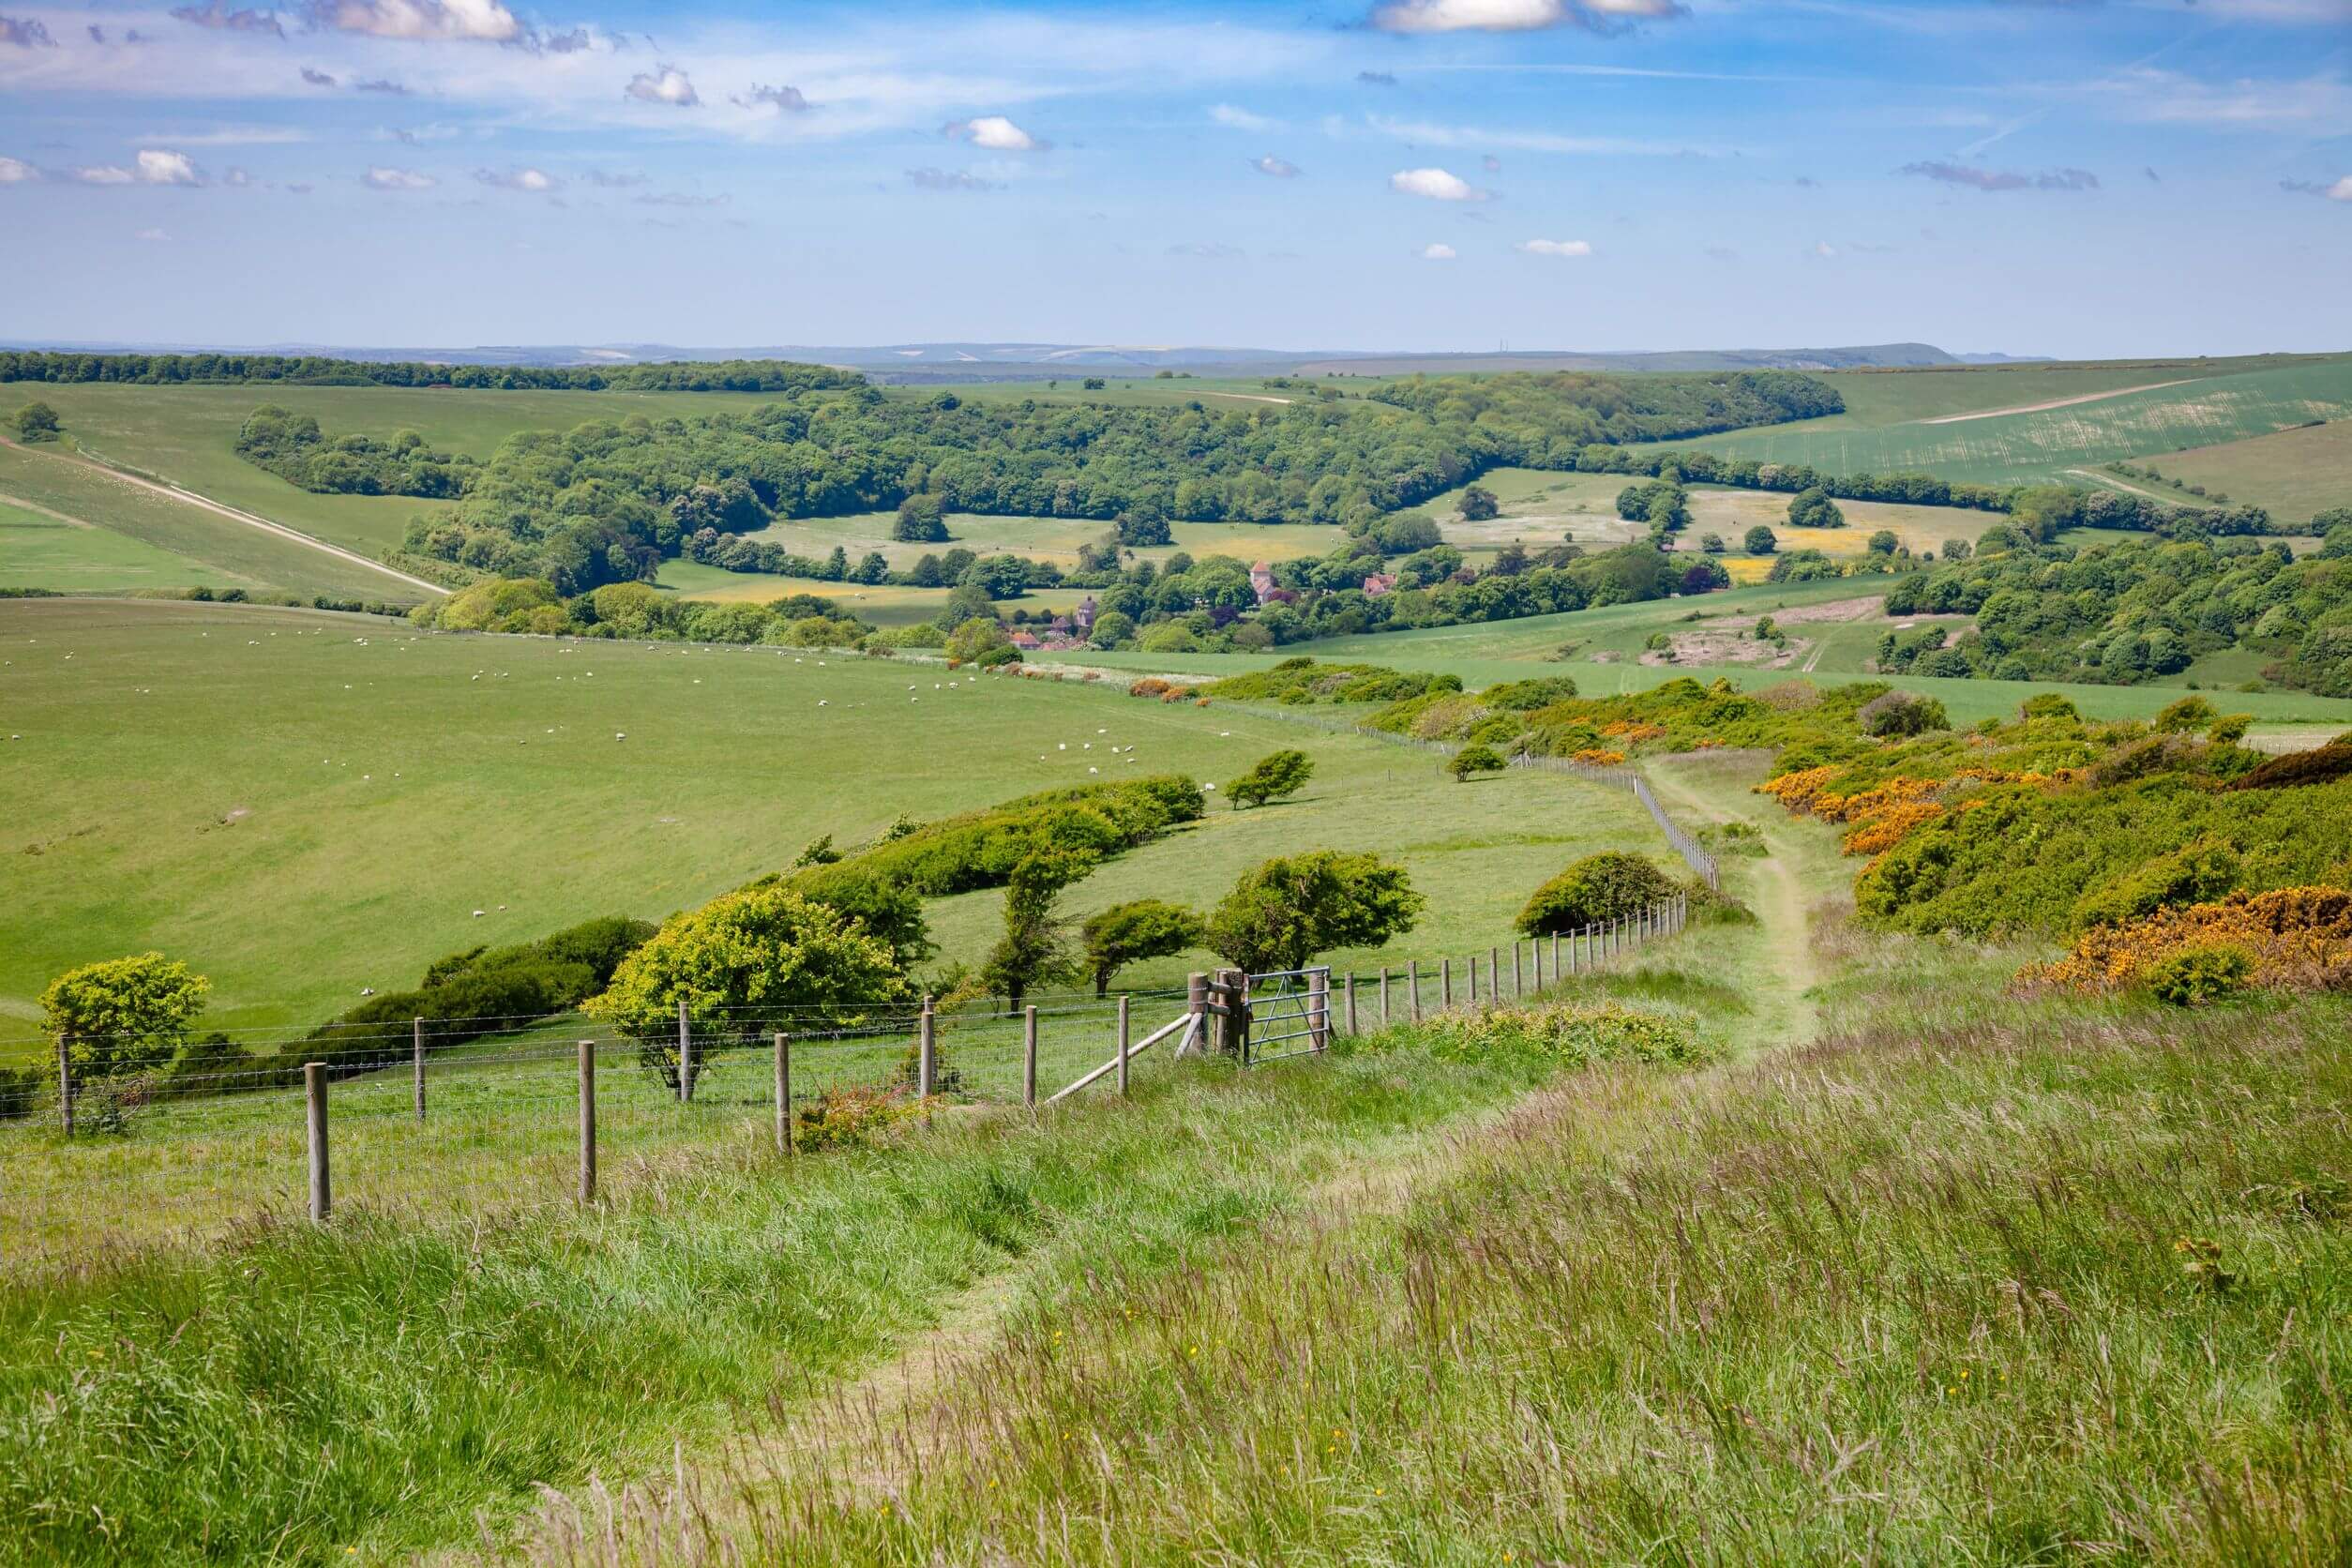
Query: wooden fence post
(1351,1005)
(1556,957)
(587,1120)
(65,1084)
(314,1096)
(686,1056)
(1123,1048)
(1445,984)
(785,1142)
(1242,1003)
(1519,983)
(1196,1004)
(1028,1056)
(417,1027)
(1383,995)
(927,1056)
(1412,990)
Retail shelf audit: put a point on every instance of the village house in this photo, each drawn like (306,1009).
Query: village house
(1261,579)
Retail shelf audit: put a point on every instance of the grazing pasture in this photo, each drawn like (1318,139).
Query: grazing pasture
(302,804)
(2294,474)
(41,548)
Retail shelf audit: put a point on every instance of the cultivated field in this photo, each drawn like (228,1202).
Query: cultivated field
(2201,411)
(2295,474)
(303,804)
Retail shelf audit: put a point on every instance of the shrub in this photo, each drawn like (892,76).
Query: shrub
(1566,1035)
(1274,776)
(20,1090)
(1813,508)
(1521,697)
(1593,891)
(2197,975)
(1900,714)
(217,1065)
(1473,759)
(848,1118)
(123,1014)
(2048,704)
(2188,714)
(2301,769)
(1284,912)
(1733,838)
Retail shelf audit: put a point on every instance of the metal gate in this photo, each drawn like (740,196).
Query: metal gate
(1285,1014)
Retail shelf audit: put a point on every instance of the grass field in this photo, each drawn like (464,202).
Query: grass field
(303,804)
(2051,444)
(2294,474)
(238,552)
(48,550)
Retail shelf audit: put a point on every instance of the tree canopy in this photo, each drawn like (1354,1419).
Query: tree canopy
(1283,913)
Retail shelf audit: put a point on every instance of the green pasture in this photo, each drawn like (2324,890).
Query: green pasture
(2294,474)
(1876,398)
(46,550)
(235,552)
(303,804)
(2202,409)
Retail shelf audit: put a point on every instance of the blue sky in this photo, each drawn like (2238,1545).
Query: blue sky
(2067,177)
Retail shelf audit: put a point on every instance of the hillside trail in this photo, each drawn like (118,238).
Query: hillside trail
(189,497)
(1697,799)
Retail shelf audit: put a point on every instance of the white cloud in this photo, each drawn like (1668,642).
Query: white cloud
(1517,16)
(1563,247)
(383,178)
(1824,249)
(1240,119)
(663,85)
(153,236)
(158,167)
(1280,168)
(1426,133)
(996,133)
(1435,183)
(535,180)
(104,173)
(783,100)
(951,179)
(15,171)
(485,20)
(1437,252)
(2341,190)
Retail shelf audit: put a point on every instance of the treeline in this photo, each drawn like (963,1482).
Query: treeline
(174,369)
(634,611)
(292,446)
(608,500)
(2132,612)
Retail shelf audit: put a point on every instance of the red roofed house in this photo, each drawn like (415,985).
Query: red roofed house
(1261,578)
(1379,584)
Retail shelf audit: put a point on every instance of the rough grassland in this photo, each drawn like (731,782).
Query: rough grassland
(43,550)
(301,805)
(2295,474)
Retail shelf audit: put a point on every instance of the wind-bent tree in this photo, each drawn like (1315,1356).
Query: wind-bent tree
(1142,928)
(1276,775)
(1285,911)
(123,1014)
(1034,949)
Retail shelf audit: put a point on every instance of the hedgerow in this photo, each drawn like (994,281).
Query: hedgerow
(1565,1034)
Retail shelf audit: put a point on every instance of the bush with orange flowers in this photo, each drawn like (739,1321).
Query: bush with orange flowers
(2295,939)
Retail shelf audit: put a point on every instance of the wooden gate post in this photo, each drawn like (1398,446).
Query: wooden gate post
(927,1056)
(587,1120)
(686,1056)
(1351,1005)
(65,1084)
(418,1027)
(1028,1056)
(1196,1004)
(785,1142)
(1383,995)
(1123,1038)
(1319,1009)
(314,1096)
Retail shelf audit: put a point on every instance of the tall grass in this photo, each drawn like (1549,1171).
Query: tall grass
(1971,1280)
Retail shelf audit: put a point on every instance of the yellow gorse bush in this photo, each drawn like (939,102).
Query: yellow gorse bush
(2298,938)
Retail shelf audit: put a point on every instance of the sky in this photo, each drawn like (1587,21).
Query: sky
(2069,177)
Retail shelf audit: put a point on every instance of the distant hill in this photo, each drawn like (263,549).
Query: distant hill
(1036,361)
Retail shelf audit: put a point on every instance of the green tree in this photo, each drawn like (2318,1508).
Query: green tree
(1593,891)
(123,1014)
(1957,550)
(1111,628)
(1143,526)
(1760,540)
(1712,543)
(1813,508)
(1002,576)
(36,421)
(758,961)
(872,569)
(1473,759)
(975,640)
(1478,505)
(922,521)
(1274,776)
(967,601)
(1141,929)
(1034,949)
(1283,913)
(1884,543)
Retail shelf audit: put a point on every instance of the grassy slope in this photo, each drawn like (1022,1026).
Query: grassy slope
(302,804)
(2016,447)
(2294,474)
(40,549)
(238,552)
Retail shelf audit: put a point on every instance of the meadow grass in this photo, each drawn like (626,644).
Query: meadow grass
(238,552)
(311,1395)
(45,550)
(2294,474)
(1971,1278)
(302,804)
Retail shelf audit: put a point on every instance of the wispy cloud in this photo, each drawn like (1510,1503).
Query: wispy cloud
(1238,118)
(783,100)
(2002,179)
(1205,251)
(1436,251)
(317,78)
(995,133)
(1518,16)
(1429,133)
(2339,192)
(483,21)
(537,181)
(663,85)
(950,179)
(1376,78)
(384,178)
(153,166)
(1279,168)
(230,19)
(1563,248)
(680,199)
(25,33)
(1436,184)
(15,171)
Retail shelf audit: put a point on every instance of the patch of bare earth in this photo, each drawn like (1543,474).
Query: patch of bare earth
(2054,402)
